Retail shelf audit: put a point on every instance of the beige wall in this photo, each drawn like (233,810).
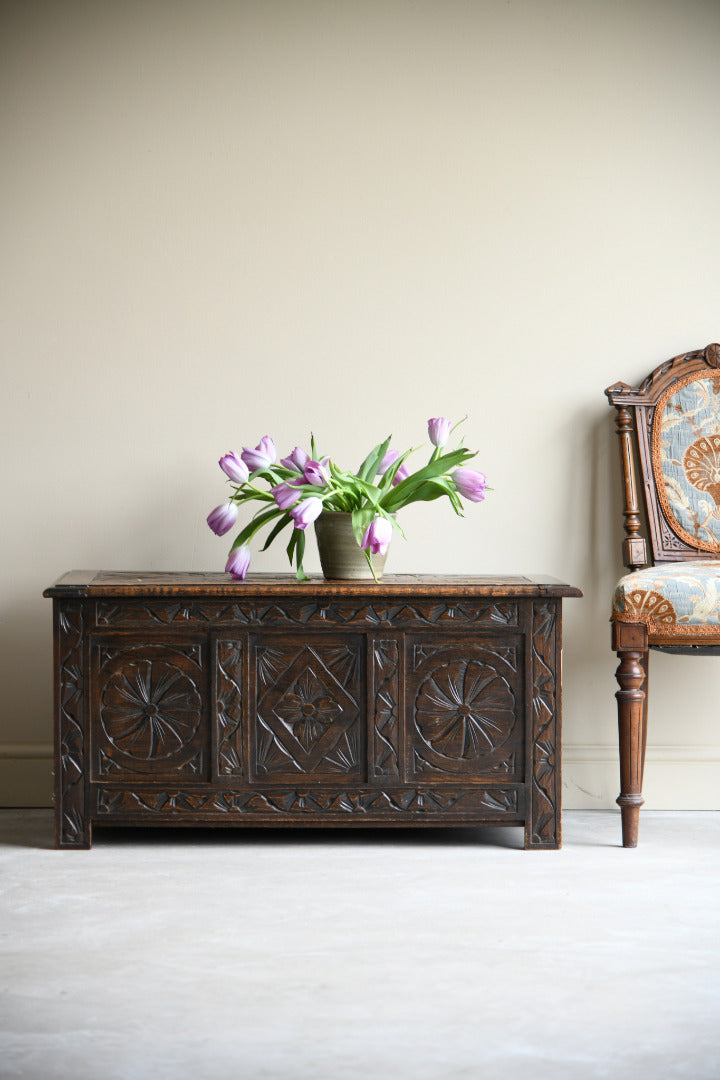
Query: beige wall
(221,220)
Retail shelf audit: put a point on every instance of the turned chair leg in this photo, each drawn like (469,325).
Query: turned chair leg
(645,661)
(630,643)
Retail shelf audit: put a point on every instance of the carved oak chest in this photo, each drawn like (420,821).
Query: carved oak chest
(190,699)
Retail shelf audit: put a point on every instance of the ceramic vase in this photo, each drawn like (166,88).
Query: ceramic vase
(340,555)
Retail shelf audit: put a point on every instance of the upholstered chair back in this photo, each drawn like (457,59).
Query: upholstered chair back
(686,459)
(669,431)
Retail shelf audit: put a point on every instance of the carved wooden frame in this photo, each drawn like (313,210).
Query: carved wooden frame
(636,408)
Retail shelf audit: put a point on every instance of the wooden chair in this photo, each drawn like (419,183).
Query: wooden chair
(670,427)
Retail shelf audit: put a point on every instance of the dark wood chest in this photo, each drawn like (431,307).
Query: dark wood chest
(190,699)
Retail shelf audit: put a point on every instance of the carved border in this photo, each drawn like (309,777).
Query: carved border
(385,693)
(227,666)
(544,823)
(72,828)
(162,612)
(293,803)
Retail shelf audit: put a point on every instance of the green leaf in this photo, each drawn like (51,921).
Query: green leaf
(252,495)
(347,493)
(360,521)
(299,553)
(395,524)
(344,479)
(341,501)
(270,474)
(368,556)
(255,525)
(275,531)
(432,489)
(407,491)
(368,469)
(368,491)
(293,544)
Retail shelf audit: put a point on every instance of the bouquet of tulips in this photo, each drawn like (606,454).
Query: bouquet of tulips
(302,485)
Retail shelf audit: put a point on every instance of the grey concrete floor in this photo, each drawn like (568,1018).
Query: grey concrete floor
(305,956)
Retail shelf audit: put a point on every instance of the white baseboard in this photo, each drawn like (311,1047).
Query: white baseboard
(676,777)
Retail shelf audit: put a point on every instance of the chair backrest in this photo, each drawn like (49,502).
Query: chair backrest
(670,427)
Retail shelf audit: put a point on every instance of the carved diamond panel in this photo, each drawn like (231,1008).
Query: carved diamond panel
(309,703)
(466,707)
(149,710)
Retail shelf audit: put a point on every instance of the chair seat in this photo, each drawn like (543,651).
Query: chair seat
(671,598)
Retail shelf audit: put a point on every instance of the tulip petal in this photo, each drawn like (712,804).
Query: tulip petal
(314,473)
(262,456)
(377,536)
(285,495)
(306,511)
(234,467)
(222,518)
(438,430)
(238,562)
(470,483)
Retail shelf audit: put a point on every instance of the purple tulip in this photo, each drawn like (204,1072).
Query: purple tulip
(285,495)
(222,518)
(295,461)
(238,562)
(306,511)
(388,459)
(234,467)
(470,484)
(262,456)
(377,536)
(314,473)
(438,430)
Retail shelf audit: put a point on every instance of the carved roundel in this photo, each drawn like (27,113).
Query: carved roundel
(150,709)
(465,709)
(712,354)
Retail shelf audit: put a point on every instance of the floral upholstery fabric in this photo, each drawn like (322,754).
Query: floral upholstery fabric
(672,598)
(686,459)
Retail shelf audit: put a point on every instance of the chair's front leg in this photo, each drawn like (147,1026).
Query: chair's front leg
(646,691)
(630,643)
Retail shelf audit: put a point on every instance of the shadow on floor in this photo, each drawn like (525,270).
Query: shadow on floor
(34,829)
